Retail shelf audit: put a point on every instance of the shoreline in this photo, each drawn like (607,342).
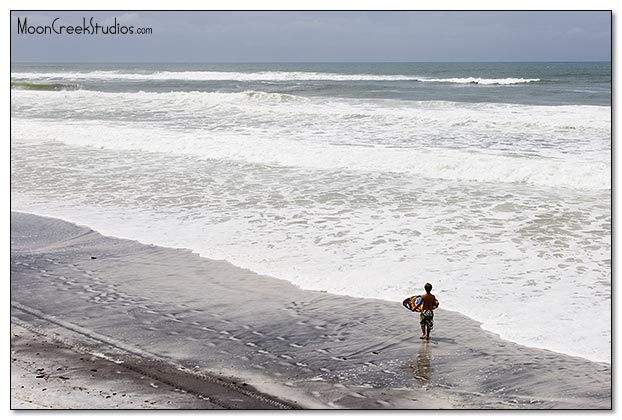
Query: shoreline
(294,284)
(310,348)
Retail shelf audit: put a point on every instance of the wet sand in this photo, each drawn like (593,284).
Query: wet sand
(48,374)
(236,335)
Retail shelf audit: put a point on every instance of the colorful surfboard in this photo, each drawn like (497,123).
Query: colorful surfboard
(413,303)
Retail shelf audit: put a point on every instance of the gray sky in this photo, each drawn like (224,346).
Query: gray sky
(321,36)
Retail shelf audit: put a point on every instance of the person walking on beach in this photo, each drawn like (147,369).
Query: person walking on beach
(426,316)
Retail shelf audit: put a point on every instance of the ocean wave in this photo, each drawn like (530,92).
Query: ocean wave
(276,76)
(43,86)
(437,118)
(481,81)
(270,96)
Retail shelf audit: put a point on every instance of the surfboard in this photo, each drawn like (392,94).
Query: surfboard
(413,303)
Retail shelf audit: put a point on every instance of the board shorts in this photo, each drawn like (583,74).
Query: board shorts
(426,318)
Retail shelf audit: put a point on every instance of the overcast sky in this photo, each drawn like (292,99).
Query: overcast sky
(320,36)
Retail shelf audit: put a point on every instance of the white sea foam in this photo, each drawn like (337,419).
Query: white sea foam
(562,146)
(480,80)
(261,76)
(459,165)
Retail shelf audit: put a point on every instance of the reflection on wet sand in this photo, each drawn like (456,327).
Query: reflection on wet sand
(421,368)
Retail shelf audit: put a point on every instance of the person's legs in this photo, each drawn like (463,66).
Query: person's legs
(423,333)
(429,323)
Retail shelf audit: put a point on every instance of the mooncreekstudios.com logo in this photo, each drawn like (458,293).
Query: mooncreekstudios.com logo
(88,27)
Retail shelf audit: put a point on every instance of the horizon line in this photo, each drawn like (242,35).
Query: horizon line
(309,62)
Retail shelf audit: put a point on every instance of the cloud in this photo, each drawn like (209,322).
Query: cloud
(124,19)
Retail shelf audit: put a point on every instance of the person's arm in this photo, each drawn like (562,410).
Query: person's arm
(436,303)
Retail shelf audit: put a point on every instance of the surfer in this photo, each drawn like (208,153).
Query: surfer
(426,316)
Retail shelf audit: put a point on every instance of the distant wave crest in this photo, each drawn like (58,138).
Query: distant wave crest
(274,76)
(481,81)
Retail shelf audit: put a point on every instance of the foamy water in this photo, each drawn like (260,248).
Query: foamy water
(504,207)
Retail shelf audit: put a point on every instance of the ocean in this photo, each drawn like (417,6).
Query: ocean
(492,181)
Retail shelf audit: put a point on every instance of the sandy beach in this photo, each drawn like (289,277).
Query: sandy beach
(102,322)
(48,374)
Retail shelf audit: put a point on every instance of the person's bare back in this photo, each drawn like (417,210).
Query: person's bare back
(429,302)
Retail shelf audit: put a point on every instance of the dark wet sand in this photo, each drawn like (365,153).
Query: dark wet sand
(48,374)
(236,335)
